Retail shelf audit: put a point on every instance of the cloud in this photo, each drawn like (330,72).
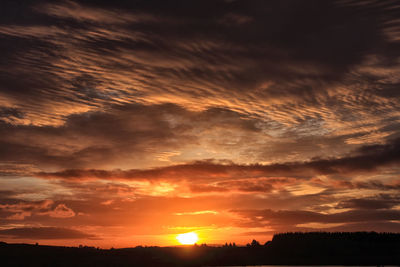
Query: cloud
(91,55)
(83,65)
(21,210)
(62,211)
(37,233)
(10,115)
(366,159)
(372,184)
(381,202)
(258,185)
(127,134)
(80,13)
(296,217)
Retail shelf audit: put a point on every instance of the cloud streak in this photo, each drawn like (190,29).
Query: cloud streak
(366,159)
(25,209)
(40,233)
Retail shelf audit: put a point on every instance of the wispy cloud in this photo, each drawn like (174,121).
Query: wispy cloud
(39,233)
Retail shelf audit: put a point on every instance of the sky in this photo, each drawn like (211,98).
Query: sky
(125,123)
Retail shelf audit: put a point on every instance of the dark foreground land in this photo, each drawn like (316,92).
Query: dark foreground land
(285,249)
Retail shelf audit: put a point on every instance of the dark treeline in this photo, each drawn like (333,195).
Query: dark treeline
(316,248)
(350,236)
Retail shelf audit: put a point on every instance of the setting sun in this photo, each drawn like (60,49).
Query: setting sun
(187,238)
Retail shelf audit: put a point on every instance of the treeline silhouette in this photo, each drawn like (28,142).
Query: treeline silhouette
(314,248)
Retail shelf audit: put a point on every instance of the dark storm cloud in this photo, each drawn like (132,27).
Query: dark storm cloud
(44,233)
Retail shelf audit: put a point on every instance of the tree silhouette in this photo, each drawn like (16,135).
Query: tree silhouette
(314,248)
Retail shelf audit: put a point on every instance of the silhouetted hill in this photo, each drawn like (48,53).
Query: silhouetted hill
(360,248)
(316,248)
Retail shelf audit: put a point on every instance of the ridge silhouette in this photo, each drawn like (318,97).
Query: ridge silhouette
(313,248)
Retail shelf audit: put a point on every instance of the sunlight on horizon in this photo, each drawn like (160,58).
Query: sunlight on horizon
(187,238)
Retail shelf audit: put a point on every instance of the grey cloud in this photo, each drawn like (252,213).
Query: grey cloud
(366,159)
(19,210)
(190,46)
(131,131)
(382,201)
(294,217)
(36,233)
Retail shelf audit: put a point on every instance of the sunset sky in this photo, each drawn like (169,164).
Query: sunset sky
(125,123)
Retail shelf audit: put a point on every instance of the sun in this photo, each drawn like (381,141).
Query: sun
(187,238)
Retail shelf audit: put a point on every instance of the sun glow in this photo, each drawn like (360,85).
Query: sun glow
(187,238)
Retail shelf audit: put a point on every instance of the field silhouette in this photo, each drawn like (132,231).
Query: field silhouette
(314,248)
